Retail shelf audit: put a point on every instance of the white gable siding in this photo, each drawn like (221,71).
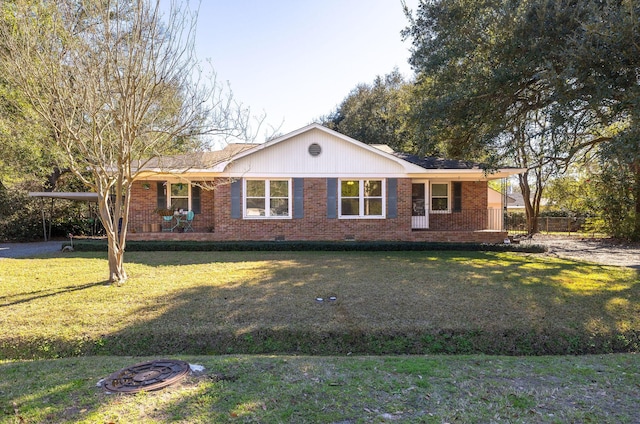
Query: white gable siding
(339,158)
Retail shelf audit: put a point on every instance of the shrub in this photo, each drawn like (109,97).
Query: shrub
(244,246)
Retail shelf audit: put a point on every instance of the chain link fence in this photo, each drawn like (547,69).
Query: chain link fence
(516,223)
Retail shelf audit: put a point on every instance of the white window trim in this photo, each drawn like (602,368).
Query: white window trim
(449,197)
(267,198)
(362,197)
(170,198)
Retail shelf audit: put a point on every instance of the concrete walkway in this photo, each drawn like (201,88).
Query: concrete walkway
(23,250)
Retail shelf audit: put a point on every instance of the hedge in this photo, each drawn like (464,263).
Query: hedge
(247,246)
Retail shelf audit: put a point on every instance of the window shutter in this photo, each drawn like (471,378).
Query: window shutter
(457,197)
(195,199)
(236,199)
(298,197)
(392,197)
(161,194)
(332,198)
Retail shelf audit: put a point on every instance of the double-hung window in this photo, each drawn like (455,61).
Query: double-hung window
(362,199)
(179,196)
(267,198)
(440,202)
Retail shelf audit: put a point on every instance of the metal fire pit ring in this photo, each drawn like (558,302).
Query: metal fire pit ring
(147,376)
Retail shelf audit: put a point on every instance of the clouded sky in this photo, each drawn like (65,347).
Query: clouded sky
(296,60)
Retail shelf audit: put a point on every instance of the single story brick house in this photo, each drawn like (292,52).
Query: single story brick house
(315,184)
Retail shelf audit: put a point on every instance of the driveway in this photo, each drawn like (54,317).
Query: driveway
(604,251)
(599,250)
(22,250)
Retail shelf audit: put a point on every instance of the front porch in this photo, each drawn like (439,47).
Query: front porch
(431,236)
(465,226)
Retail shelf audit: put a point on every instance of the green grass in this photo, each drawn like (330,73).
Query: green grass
(181,304)
(265,302)
(302,389)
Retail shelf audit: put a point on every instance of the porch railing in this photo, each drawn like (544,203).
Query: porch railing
(150,222)
(463,220)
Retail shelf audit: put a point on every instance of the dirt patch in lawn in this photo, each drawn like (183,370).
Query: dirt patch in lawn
(605,251)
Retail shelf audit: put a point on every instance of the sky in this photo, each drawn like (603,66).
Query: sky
(296,60)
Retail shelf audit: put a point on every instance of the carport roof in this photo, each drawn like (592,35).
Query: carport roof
(79,196)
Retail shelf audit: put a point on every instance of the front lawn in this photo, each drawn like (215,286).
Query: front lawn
(266,302)
(319,389)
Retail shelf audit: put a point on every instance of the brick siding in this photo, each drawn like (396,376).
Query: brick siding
(144,203)
(216,224)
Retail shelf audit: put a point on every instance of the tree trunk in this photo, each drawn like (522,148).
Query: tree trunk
(53,177)
(117,273)
(532,210)
(115,228)
(635,236)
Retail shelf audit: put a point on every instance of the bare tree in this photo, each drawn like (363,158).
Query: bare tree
(119,84)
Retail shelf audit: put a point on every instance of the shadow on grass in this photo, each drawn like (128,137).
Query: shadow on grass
(386,302)
(15,299)
(407,303)
(393,303)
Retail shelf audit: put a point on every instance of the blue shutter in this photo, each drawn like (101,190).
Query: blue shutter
(298,197)
(457,197)
(332,198)
(392,197)
(195,199)
(236,199)
(161,194)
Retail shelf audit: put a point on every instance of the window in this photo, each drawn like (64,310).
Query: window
(439,197)
(361,198)
(267,199)
(179,196)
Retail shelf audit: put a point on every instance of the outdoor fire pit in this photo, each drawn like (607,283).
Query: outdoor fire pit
(147,376)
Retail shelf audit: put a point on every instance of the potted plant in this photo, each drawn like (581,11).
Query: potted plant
(167,217)
(164,212)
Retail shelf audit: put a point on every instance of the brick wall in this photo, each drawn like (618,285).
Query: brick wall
(144,202)
(474,195)
(315,225)
(215,222)
(473,216)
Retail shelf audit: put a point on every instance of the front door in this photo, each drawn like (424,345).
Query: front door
(420,204)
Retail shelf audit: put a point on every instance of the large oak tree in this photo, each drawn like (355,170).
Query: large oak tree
(487,68)
(377,113)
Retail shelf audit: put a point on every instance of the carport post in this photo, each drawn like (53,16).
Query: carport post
(44,222)
(51,216)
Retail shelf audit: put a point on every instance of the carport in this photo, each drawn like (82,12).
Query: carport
(53,195)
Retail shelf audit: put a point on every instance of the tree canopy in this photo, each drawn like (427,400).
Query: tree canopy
(377,113)
(116,84)
(488,68)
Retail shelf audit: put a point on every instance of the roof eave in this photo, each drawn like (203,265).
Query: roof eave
(477,174)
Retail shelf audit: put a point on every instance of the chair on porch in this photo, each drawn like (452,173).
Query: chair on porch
(188,221)
(167,223)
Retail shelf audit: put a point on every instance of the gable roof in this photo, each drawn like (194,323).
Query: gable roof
(192,162)
(286,155)
(406,166)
